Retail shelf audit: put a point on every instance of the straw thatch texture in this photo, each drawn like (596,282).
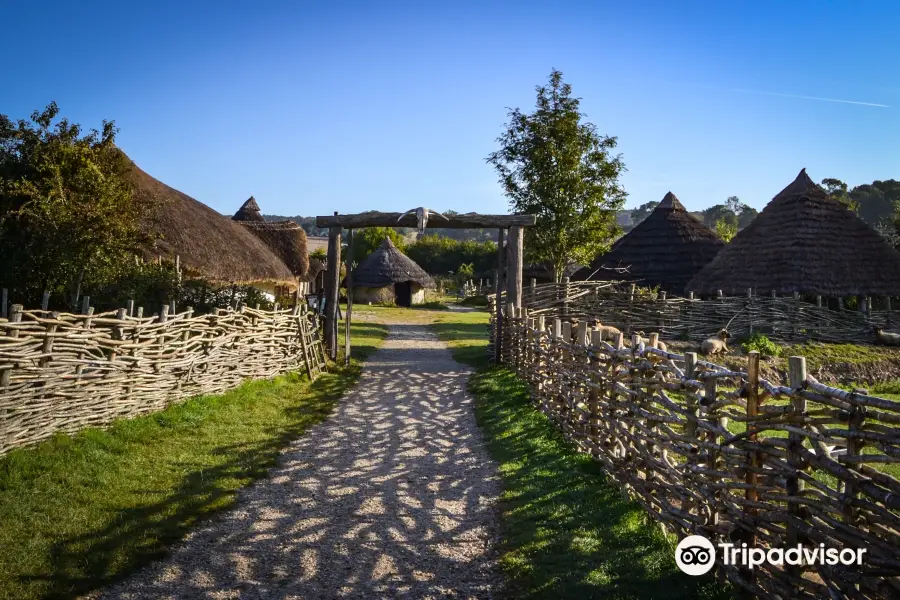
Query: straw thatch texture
(286,239)
(386,266)
(63,372)
(666,249)
(208,243)
(316,266)
(249,211)
(803,241)
(727,454)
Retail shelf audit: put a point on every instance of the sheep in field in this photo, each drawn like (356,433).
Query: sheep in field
(886,338)
(609,332)
(717,344)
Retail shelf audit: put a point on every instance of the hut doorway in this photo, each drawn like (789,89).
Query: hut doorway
(403,293)
(511,252)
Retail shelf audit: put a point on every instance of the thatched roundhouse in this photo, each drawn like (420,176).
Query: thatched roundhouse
(209,244)
(804,241)
(666,249)
(249,211)
(387,275)
(285,238)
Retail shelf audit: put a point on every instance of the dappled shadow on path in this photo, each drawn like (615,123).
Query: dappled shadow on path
(390,497)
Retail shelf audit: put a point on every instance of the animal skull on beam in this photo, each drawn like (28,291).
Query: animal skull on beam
(422,215)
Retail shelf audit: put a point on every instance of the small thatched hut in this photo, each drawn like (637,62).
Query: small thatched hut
(249,211)
(804,241)
(208,244)
(666,249)
(285,238)
(387,275)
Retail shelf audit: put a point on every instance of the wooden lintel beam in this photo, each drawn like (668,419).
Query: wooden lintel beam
(466,221)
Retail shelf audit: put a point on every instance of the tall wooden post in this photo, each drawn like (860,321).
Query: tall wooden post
(498,339)
(349,296)
(332,290)
(514,252)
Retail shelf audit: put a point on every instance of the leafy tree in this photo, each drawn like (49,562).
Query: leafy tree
(320,254)
(367,240)
(68,216)
(441,255)
(726,229)
(559,168)
(642,212)
(717,213)
(748,213)
(837,189)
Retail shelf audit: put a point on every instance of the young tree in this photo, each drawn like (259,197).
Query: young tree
(68,216)
(726,229)
(556,166)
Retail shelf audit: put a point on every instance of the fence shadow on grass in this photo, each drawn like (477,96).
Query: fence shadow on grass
(569,532)
(143,533)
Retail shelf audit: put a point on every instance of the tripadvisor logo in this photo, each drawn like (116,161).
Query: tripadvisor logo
(696,555)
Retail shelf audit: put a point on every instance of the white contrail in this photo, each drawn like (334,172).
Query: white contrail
(810,98)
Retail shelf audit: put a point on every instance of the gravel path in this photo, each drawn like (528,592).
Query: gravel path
(391,497)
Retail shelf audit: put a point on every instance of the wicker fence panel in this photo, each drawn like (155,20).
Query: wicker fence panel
(783,319)
(726,454)
(62,372)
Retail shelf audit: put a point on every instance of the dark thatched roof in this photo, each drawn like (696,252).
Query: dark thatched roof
(286,239)
(666,249)
(249,211)
(208,243)
(316,266)
(387,265)
(804,241)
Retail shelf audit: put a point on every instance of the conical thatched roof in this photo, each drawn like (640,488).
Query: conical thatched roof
(387,265)
(285,238)
(804,241)
(208,243)
(249,211)
(666,249)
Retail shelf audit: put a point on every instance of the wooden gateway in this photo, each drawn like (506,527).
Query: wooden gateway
(511,253)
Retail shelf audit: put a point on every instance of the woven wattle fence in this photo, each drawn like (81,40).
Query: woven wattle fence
(62,372)
(783,319)
(726,454)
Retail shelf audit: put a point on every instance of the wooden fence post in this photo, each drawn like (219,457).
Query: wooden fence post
(795,485)
(693,409)
(45,301)
(4,303)
(85,304)
(752,477)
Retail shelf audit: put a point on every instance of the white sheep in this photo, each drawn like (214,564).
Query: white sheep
(717,344)
(885,338)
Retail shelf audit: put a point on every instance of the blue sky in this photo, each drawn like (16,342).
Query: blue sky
(350,106)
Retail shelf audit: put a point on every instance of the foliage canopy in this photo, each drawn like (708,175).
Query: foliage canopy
(556,166)
(68,216)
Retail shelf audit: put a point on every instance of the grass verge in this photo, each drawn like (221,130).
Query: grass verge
(79,512)
(567,531)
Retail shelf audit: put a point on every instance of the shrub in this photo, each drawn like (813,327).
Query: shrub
(475,301)
(761,344)
(433,305)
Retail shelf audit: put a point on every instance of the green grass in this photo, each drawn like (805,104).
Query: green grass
(566,530)
(78,512)
(474,301)
(432,305)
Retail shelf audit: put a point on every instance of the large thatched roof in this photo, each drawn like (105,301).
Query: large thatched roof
(208,243)
(249,211)
(804,241)
(387,265)
(666,249)
(285,238)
